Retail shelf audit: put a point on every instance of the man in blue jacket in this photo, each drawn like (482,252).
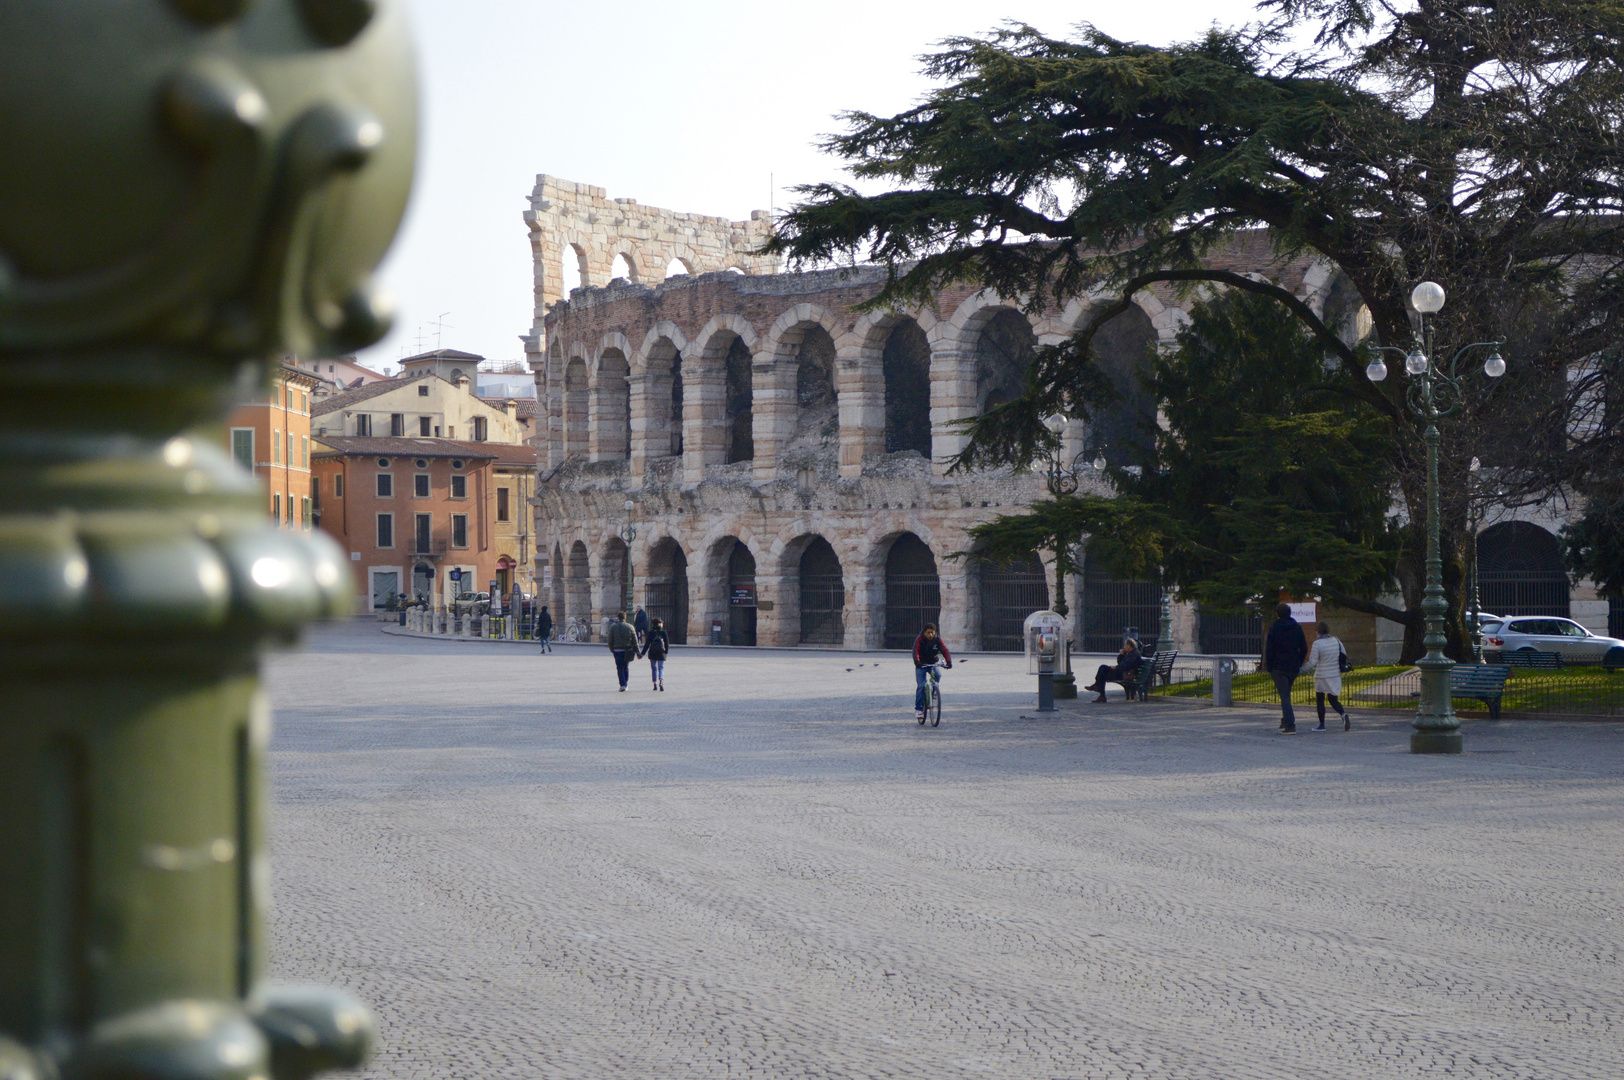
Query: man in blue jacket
(1284,650)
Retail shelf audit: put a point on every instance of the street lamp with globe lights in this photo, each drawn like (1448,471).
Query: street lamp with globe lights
(1433,394)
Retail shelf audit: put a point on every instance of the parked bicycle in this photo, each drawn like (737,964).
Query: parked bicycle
(933,696)
(578,630)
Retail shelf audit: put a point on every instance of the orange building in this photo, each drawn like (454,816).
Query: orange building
(410,511)
(270,437)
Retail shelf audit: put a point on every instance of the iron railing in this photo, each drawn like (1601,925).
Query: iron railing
(1010,593)
(823,602)
(911,601)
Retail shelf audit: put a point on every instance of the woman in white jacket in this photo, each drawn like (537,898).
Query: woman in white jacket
(1323,662)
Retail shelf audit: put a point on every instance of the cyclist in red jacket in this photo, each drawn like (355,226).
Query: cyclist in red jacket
(929,650)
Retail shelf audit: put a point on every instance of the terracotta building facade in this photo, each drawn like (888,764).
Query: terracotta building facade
(270,437)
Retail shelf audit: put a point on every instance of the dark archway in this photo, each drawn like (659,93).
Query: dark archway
(906,365)
(1520,571)
(741,595)
(665,594)
(1112,608)
(817,415)
(612,405)
(578,587)
(577,392)
(913,592)
(675,416)
(1124,348)
(739,402)
(1003,356)
(1010,591)
(617,578)
(823,595)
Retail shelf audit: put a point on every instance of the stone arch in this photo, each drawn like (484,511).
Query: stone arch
(615,577)
(905,368)
(559,593)
(719,397)
(1124,348)
(913,591)
(611,401)
(1520,570)
(1344,311)
(813,591)
(578,583)
(1004,343)
(577,394)
(574,268)
(731,571)
(657,394)
(624,265)
(1008,592)
(665,587)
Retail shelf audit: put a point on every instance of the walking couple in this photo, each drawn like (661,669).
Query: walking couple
(1286,655)
(627,645)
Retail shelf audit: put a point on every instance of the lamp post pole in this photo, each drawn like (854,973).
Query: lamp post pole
(1433,394)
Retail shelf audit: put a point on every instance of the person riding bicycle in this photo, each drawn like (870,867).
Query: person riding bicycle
(929,650)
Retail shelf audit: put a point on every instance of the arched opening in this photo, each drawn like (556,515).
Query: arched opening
(905,361)
(1345,313)
(577,392)
(1113,609)
(1520,571)
(823,595)
(665,593)
(622,267)
(676,404)
(677,268)
(559,597)
(1010,591)
(612,402)
(579,586)
(617,577)
(1124,348)
(817,416)
(741,592)
(572,269)
(1003,356)
(664,388)
(738,403)
(913,592)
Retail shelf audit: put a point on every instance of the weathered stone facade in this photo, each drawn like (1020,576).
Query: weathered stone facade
(782,458)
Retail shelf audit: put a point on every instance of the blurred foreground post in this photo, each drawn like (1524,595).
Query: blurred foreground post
(189,187)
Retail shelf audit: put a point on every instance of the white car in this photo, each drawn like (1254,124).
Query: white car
(1517,633)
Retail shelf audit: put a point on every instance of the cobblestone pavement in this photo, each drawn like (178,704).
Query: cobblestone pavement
(770,871)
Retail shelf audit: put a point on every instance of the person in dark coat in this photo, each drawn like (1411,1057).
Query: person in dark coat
(622,640)
(640,624)
(656,645)
(1128,659)
(544,630)
(1285,648)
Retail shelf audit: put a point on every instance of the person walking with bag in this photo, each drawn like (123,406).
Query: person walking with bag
(544,630)
(656,646)
(1284,649)
(1327,660)
(622,640)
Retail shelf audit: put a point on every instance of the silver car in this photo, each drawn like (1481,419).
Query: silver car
(1545,634)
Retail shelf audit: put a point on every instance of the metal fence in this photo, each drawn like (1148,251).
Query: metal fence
(1524,592)
(1009,593)
(1109,606)
(823,602)
(668,601)
(911,601)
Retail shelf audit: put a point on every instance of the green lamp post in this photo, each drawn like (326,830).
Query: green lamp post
(1433,394)
(189,187)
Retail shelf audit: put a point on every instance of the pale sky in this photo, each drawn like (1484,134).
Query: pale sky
(686,104)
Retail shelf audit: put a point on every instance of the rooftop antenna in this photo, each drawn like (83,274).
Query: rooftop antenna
(439,325)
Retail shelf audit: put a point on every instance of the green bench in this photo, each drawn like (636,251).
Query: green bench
(1153,667)
(1483,682)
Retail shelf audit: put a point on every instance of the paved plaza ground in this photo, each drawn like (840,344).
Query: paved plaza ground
(770,871)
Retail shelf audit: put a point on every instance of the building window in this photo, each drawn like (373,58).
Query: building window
(451,431)
(501,504)
(242,447)
(304,401)
(304,512)
(315,489)
(456,463)
(291,460)
(459,487)
(386,530)
(386,486)
(383,463)
(425,426)
(479,429)
(459,530)
(423,391)
(276,446)
(276,507)
(425,533)
(338,486)
(420,485)
(397,424)
(421,463)
(363,424)
(304,450)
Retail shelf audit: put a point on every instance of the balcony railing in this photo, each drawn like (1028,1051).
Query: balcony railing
(432,549)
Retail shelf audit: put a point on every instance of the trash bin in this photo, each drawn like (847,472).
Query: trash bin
(1223,675)
(716,632)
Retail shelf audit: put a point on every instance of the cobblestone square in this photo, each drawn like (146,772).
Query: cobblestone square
(770,870)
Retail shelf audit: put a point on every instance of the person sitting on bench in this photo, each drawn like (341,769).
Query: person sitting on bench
(1123,672)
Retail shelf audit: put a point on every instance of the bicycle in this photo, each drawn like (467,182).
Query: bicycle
(933,696)
(578,630)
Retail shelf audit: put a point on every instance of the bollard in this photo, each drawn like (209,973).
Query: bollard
(197,187)
(1223,671)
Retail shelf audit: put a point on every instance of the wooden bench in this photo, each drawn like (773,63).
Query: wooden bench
(1483,682)
(1530,658)
(1157,666)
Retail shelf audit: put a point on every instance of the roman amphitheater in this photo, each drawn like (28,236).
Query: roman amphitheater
(752,460)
